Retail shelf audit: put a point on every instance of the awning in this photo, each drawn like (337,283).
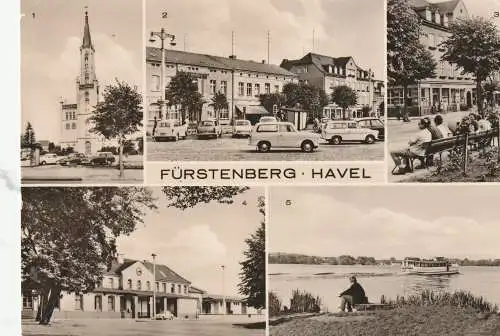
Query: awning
(252,109)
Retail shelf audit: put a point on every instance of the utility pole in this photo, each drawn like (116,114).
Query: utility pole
(268,45)
(154,285)
(223,291)
(313,41)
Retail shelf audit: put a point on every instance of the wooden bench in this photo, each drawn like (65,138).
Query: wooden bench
(438,146)
(372,306)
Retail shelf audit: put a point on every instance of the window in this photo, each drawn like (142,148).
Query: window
(111,303)
(78,302)
(432,41)
(98,303)
(249,89)
(129,283)
(285,128)
(148,285)
(87,96)
(172,289)
(73,125)
(275,109)
(257,89)
(352,125)
(139,285)
(241,89)
(28,302)
(212,86)
(179,290)
(73,115)
(164,285)
(185,289)
(224,113)
(157,284)
(111,283)
(276,88)
(337,125)
(68,126)
(223,87)
(267,88)
(264,128)
(155,83)
(377,123)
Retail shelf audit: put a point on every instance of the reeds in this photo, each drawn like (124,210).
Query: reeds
(460,299)
(304,302)
(274,304)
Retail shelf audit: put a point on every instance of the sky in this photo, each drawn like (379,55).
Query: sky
(197,241)
(341,28)
(384,222)
(50,53)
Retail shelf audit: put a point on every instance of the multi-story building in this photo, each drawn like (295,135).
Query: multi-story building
(75,127)
(328,72)
(240,81)
(449,90)
(126,291)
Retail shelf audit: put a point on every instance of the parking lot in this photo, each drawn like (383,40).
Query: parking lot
(227,148)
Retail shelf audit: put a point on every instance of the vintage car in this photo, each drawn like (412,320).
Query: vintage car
(166,315)
(373,123)
(267,119)
(49,159)
(170,130)
(72,159)
(209,128)
(282,135)
(242,128)
(102,159)
(338,131)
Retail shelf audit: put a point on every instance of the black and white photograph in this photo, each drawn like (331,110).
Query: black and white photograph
(380,262)
(81,96)
(443,69)
(143,261)
(273,80)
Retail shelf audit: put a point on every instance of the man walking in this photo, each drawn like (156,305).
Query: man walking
(353,295)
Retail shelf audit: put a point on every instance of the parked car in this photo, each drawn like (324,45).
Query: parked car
(338,131)
(269,135)
(166,315)
(267,119)
(48,159)
(209,128)
(102,159)
(72,159)
(170,130)
(242,128)
(375,124)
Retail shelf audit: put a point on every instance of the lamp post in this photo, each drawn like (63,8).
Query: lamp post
(223,291)
(154,285)
(162,35)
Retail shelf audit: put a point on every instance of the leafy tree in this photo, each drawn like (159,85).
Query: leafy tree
(308,96)
(52,147)
(489,90)
(183,90)
(128,147)
(268,100)
(140,145)
(346,260)
(219,103)
(28,138)
(474,46)
(68,236)
(407,59)
(344,97)
(187,197)
(253,268)
(119,115)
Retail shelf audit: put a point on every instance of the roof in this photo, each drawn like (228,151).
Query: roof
(163,272)
(210,61)
(321,61)
(139,292)
(444,6)
(196,290)
(87,41)
(217,297)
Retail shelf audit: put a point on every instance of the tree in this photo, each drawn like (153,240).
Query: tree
(119,115)
(52,147)
(219,103)
(183,90)
(253,268)
(68,236)
(490,88)
(308,96)
(344,97)
(474,46)
(407,59)
(269,100)
(140,145)
(28,138)
(187,197)
(128,147)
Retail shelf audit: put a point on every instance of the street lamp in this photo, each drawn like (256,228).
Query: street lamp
(162,35)
(223,290)
(154,285)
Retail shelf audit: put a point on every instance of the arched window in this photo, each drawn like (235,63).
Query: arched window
(148,285)
(73,125)
(139,285)
(87,99)
(129,283)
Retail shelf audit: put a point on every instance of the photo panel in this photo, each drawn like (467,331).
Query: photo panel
(81,92)
(443,90)
(143,260)
(375,260)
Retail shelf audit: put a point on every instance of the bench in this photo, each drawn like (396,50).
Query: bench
(438,146)
(372,306)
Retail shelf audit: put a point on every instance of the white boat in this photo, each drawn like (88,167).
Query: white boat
(435,266)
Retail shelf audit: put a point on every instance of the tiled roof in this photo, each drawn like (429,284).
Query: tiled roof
(163,273)
(202,60)
(196,290)
(321,61)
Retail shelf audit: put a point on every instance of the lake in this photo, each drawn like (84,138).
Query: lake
(327,281)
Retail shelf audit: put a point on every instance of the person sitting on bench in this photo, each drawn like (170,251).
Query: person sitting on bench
(352,296)
(415,148)
(445,130)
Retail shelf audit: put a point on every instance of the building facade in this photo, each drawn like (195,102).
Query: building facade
(129,290)
(75,127)
(326,72)
(241,81)
(450,89)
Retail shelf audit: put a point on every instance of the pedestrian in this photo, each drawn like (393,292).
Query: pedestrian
(352,296)
(155,123)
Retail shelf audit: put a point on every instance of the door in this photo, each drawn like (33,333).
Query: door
(172,306)
(353,132)
(287,136)
(469,99)
(88,147)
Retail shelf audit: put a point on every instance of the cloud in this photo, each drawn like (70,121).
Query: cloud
(334,227)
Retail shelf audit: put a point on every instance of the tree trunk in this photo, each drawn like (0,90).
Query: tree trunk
(479,96)
(405,113)
(120,157)
(50,305)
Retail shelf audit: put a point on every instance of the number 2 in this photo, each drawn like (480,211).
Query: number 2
(164,15)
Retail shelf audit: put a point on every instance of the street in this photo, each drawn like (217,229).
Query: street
(128,327)
(229,149)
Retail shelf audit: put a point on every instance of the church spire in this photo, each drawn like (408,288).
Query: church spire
(87,41)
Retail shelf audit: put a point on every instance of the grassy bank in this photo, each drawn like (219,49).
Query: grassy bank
(427,314)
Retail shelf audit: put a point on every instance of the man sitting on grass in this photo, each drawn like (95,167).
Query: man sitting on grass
(353,295)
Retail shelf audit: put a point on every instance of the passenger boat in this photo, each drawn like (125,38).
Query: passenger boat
(436,266)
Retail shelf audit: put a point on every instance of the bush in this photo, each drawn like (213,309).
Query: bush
(274,304)
(304,302)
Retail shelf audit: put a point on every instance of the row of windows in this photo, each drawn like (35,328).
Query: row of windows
(254,90)
(213,87)
(180,288)
(97,303)
(70,115)
(157,65)
(70,126)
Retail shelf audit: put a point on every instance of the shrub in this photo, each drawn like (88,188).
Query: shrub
(274,304)
(304,302)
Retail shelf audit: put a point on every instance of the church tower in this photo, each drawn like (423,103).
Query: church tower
(87,94)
